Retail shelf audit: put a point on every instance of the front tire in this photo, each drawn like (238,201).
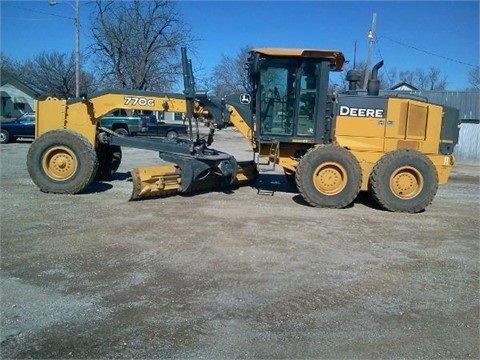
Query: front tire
(329,176)
(62,161)
(404,180)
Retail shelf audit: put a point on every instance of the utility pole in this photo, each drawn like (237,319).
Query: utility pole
(371,39)
(77,48)
(76,8)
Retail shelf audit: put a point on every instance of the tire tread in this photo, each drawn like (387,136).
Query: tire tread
(380,188)
(310,161)
(83,149)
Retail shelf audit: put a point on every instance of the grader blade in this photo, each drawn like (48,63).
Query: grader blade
(161,181)
(155,181)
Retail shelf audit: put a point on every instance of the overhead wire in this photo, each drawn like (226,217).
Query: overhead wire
(426,51)
(384,67)
(39,11)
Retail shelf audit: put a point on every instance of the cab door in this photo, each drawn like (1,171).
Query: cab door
(307,99)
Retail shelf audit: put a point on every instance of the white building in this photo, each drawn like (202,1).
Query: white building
(16,97)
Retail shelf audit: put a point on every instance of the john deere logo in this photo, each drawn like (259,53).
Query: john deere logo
(361,112)
(245,98)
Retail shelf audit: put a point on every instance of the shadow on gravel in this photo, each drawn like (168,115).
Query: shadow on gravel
(105,185)
(364,198)
(122,176)
(97,187)
(268,184)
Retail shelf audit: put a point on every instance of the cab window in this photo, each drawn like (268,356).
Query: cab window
(307,98)
(277,100)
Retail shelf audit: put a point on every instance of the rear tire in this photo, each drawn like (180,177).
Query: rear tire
(62,161)
(404,180)
(329,176)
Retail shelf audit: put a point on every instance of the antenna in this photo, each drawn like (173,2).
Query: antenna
(371,40)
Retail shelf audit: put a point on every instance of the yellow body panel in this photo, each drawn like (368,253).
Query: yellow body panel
(240,123)
(361,143)
(82,116)
(413,124)
(288,164)
(444,165)
(365,127)
(409,124)
(50,115)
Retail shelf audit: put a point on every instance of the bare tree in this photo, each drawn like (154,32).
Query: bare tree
(407,76)
(474,78)
(432,79)
(136,44)
(388,78)
(53,72)
(229,75)
(50,73)
(8,64)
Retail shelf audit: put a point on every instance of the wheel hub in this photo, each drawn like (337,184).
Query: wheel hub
(406,182)
(60,163)
(330,178)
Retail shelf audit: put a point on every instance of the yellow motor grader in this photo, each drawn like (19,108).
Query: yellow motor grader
(331,146)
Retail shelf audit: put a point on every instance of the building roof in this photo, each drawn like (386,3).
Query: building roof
(9,78)
(404,86)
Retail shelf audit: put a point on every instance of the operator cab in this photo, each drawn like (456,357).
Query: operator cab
(290,93)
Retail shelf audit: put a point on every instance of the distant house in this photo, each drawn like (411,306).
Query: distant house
(403,86)
(16,97)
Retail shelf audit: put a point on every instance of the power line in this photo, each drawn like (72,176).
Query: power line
(25,18)
(384,67)
(426,51)
(39,11)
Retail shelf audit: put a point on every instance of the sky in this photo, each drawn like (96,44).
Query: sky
(409,35)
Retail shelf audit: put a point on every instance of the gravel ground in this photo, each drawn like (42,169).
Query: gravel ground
(245,273)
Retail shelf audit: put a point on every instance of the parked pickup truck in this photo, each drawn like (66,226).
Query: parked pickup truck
(138,125)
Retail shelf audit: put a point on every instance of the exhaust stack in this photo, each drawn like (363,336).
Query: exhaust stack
(373,86)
